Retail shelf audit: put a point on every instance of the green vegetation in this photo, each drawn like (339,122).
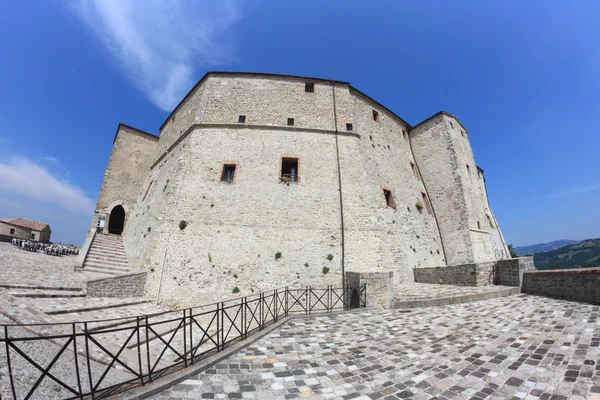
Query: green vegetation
(330,257)
(419,205)
(149,229)
(182,224)
(325,270)
(584,254)
(277,255)
(235,290)
(513,253)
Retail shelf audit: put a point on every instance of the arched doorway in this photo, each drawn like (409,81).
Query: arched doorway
(116,220)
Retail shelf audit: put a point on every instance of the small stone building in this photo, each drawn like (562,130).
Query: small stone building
(23,228)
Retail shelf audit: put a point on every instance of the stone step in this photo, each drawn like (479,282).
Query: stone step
(107,267)
(48,293)
(108,248)
(101,271)
(93,275)
(100,304)
(40,287)
(100,263)
(492,293)
(108,256)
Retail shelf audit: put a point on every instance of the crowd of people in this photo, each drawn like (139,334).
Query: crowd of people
(50,249)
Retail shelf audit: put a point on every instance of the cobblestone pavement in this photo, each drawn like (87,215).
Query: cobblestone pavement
(427,291)
(19,267)
(517,347)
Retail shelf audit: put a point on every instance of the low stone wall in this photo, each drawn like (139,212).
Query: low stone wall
(131,285)
(78,266)
(380,287)
(510,272)
(569,284)
(463,275)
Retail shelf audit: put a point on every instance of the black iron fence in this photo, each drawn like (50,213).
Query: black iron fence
(97,359)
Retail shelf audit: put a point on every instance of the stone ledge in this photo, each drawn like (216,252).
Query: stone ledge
(574,271)
(443,301)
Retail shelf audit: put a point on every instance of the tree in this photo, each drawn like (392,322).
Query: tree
(513,253)
(555,265)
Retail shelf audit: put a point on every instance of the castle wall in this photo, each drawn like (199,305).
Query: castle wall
(457,191)
(126,172)
(234,230)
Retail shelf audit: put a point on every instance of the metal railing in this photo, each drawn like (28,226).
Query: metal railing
(98,359)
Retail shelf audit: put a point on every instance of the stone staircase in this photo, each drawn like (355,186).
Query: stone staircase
(106,257)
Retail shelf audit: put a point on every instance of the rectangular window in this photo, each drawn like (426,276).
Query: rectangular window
(309,87)
(414,170)
(426,203)
(389,198)
(469,173)
(490,221)
(12,231)
(242,119)
(375,116)
(290,122)
(33,236)
(405,135)
(289,170)
(228,174)
(478,225)
(349,127)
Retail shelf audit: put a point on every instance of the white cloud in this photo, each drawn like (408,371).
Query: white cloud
(160,43)
(577,190)
(47,158)
(23,176)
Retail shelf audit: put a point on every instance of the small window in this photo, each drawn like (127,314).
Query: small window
(427,203)
(462,132)
(33,236)
(228,175)
(309,87)
(479,174)
(242,119)
(290,122)
(375,116)
(451,124)
(414,170)
(389,198)
(478,225)
(405,135)
(349,127)
(12,231)
(490,221)
(147,190)
(289,170)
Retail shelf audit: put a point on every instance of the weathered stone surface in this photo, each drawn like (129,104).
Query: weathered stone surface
(572,284)
(466,275)
(131,285)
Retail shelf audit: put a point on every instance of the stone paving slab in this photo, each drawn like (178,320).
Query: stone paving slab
(427,294)
(19,267)
(517,347)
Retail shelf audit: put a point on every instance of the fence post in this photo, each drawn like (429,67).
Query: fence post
(276,314)
(76,358)
(287,310)
(244,317)
(139,350)
(12,383)
(307,297)
(148,350)
(261,310)
(87,358)
(184,340)
(222,325)
(191,340)
(218,329)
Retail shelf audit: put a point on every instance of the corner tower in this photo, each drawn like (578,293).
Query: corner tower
(456,188)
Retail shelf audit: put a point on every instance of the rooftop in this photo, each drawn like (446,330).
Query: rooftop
(25,223)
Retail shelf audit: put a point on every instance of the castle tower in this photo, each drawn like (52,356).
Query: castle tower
(456,189)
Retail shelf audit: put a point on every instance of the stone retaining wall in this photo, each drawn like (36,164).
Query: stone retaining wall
(464,275)
(380,287)
(131,285)
(510,272)
(570,284)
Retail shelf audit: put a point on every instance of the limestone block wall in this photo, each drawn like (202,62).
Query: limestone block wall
(379,287)
(457,191)
(479,274)
(19,232)
(510,272)
(126,172)
(570,284)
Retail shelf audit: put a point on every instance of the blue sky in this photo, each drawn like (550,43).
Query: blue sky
(523,77)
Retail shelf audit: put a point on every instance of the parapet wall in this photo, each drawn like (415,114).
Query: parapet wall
(571,284)
(131,285)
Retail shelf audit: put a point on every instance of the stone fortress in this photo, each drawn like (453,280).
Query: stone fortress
(259,181)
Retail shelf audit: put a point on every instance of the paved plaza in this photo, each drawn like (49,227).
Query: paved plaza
(517,347)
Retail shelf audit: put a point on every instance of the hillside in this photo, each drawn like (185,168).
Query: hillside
(540,247)
(578,255)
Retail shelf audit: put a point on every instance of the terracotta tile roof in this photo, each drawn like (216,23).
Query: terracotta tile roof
(25,223)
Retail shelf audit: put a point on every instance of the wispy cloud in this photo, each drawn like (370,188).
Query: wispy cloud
(159,44)
(23,176)
(577,190)
(53,159)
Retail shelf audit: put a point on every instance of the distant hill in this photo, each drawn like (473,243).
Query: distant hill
(540,247)
(579,255)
